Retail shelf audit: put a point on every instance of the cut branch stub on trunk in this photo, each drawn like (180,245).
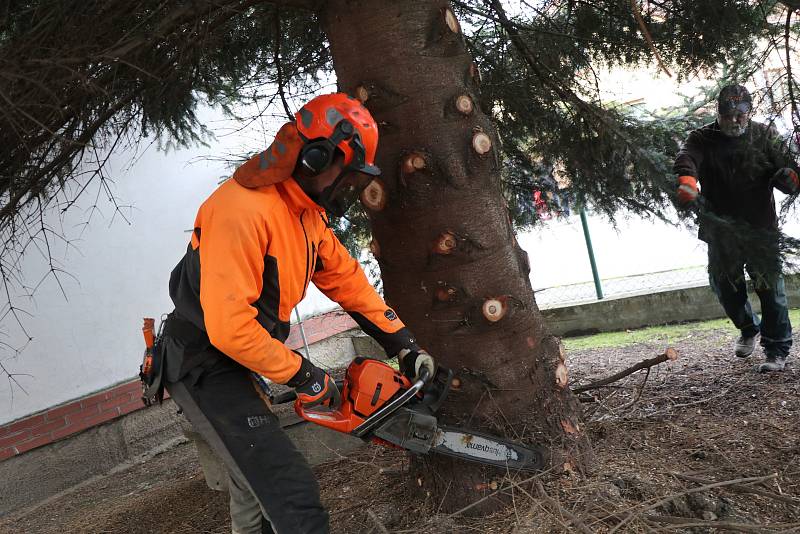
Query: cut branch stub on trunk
(481,143)
(451,21)
(451,246)
(375,248)
(362,93)
(464,104)
(446,293)
(562,375)
(413,162)
(570,427)
(475,74)
(380,97)
(445,244)
(444,36)
(374,195)
(495,309)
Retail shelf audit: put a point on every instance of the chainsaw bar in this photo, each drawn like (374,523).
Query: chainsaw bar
(419,432)
(486,449)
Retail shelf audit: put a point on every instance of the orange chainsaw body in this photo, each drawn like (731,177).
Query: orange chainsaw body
(368,386)
(381,405)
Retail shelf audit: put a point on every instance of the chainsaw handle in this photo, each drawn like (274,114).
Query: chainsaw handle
(424,375)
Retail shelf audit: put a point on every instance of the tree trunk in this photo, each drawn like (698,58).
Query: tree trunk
(450,263)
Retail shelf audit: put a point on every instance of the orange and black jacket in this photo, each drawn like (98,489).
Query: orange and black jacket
(252,255)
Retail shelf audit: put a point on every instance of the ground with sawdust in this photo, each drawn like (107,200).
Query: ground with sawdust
(704,420)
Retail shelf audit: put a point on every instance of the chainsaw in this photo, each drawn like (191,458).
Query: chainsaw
(381,405)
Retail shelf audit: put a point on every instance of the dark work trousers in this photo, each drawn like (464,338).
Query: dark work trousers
(726,275)
(220,400)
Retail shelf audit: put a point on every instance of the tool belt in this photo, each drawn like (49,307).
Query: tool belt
(179,349)
(151,371)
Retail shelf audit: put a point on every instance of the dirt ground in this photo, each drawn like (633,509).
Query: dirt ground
(704,444)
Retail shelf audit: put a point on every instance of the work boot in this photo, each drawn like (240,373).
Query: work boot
(772,363)
(744,346)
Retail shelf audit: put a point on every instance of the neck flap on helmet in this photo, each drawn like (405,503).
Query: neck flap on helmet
(276,163)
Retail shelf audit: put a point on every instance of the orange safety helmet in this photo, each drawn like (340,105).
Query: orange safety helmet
(323,125)
(337,121)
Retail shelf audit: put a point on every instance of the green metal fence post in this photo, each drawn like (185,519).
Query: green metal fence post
(597,287)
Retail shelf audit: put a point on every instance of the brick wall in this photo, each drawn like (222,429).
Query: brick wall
(22,435)
(70,418)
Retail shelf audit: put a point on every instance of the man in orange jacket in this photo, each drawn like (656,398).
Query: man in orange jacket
(258,241)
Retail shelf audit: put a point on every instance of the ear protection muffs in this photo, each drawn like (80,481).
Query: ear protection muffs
(317,155)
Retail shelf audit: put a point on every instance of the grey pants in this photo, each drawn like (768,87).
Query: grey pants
(246,512)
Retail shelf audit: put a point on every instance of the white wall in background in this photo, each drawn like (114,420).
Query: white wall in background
(115,274)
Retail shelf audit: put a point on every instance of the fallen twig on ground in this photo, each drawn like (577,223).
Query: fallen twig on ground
(576,522)
(638,392)
(377,521)
(669,355)
(701,401)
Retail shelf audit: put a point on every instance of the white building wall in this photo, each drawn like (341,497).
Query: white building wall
(115,274)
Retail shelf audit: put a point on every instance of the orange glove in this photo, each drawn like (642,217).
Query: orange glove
(786,181)
(687,190)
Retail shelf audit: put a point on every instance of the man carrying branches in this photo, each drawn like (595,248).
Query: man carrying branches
(737,162)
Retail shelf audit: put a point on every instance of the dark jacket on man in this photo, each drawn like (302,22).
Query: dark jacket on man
(735,172)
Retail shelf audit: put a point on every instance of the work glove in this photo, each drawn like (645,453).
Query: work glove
(412,361)
(786,181)
(315,387)
(688,190)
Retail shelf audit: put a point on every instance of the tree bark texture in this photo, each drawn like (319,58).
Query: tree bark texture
(450,262)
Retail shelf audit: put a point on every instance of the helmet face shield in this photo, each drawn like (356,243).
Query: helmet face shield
(344,191)
(347,187)
(732,107)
